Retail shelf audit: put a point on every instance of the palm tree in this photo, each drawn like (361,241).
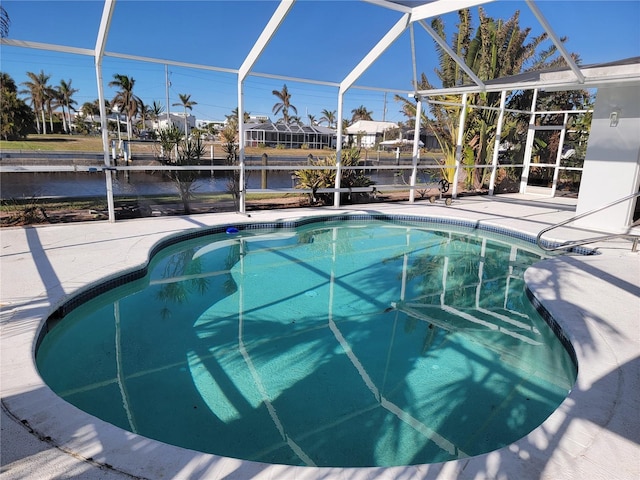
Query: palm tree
(16,117)
(361,113)
(145,111)
(497,48)
(38,90)
(5,21)
(284,104)
(155,110)
(55,102)
(92,109)
(126,101)
(89,108)
(232,120)
(187,104)
(65,92)
(179,152)
(329,117)
(312,120)
(52,101)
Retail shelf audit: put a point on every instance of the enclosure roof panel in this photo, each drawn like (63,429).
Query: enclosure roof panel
(619,72)
(289,128)
(316,48)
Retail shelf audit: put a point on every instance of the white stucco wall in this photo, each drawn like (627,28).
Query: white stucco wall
(612,162)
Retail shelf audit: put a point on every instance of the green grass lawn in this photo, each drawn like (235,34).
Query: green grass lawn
(87,143)
(78,143)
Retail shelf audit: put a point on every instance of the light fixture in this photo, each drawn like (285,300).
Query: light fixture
(613,118)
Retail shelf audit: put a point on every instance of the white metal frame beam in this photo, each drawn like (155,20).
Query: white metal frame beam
(541,85)
(556,40)
(390,5)
(138,58)
(528,148)
(385,42)
(497,141)
(440,7)
(456,58)
(47,46)
(265,37)
(459,146)
(415,155)
(101,42)
(258,47)
(577,77)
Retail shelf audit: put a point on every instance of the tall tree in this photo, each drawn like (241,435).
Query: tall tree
(329,117)
(65,94)
(361,113)
(497,48)
(56,102)
(51,102)
(229,138)
(180,152)
(233,118)
(16,117)
(145,111)
(127,102)
(38,89)
(187,104)
(93,108)
(284,104)
(155,111)
(5,22)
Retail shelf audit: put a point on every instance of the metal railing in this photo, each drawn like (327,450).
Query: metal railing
(575,243)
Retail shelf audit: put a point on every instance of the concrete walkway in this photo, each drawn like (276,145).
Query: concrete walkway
(594,434)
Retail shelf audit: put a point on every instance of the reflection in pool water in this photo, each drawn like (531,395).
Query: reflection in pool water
(335,344)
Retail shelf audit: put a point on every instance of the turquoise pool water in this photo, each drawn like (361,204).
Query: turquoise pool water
(334,344)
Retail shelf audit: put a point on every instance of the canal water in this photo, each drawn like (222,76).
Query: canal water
(86,184)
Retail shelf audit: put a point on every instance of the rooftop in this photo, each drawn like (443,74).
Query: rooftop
(290,128)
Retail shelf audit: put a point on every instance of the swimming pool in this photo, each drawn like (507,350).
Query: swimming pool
(334,344)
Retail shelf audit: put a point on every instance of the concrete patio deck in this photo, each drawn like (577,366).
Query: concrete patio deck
(594,434)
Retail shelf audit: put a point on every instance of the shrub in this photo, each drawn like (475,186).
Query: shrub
(326,178)
(178,152)
(24,213)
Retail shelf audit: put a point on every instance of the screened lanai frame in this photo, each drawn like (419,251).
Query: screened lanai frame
(413,14)
(288,135)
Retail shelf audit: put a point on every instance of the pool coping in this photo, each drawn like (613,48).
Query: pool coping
(590,434)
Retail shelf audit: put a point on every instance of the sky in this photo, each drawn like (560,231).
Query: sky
(320,40)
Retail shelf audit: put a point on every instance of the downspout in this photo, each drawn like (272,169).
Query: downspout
(336,197)
(528,149)
(241,190)
(416,150)
(556,170)
(416,133)
(461,126)
(496,145)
